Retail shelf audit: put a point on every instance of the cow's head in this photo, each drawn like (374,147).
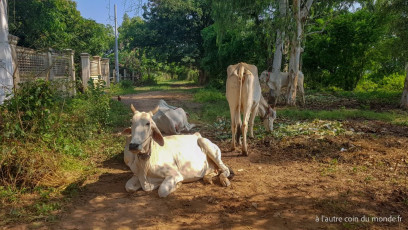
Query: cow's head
(143,131)
(264,77)
(269,118)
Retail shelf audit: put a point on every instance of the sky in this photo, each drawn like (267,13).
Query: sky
(102,11)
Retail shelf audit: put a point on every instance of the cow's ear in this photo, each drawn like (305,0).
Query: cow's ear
(127,131)
(157,136)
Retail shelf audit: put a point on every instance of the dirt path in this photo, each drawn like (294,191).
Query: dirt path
(282,185)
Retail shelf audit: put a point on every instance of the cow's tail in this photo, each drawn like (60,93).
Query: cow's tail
(240,79)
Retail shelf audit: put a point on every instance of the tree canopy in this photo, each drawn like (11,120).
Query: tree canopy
(345,43)
(42,24)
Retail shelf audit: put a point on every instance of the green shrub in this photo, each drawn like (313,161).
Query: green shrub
(39,131)
(192,75)
(366,85)
(393,82)
(150,79)
(29,108)
(125,84)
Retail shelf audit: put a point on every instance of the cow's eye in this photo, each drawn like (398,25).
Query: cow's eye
(148,123)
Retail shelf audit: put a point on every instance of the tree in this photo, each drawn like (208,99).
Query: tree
(399,27)
(170,31)
(6,71)
(299,14)
(41,24)
(345,49)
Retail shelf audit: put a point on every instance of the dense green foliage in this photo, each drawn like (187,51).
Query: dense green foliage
(46,122)
(49,143)
(170,31)
(42,24)
(344,46)
(347,44)
(346,40)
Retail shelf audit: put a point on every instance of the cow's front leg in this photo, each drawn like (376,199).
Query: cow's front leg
(133,184)
(209,174)
(169,185)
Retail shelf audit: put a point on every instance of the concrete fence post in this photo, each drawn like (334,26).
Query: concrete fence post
(50,74)
(86,69)
(71,70)
(105,66)
(97,59)
(133,76)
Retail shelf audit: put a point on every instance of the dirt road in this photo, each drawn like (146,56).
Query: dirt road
(293,183)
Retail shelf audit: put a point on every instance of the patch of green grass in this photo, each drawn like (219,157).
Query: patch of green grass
(209,95)
(388,97)
(215,105)
(394,117)
(379,96)
(162,84)
(211,111)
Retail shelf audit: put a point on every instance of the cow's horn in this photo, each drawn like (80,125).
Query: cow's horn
(155,110)
(133,108)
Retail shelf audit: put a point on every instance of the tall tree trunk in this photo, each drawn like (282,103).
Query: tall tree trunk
(277,57)
(404,98)
(280,37)
(202,77)
(295,50)
(6,70)
(294,60)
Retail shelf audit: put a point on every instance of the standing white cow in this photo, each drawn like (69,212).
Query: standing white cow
(165,162)
(244,96)
(171,120)
(277,82)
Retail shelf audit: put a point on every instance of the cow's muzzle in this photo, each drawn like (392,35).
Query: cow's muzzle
(133,146)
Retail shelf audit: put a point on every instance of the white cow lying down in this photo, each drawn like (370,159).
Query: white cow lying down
(165,162)
(171,120)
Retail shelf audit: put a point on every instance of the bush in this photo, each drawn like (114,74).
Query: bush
(40,132)
(29,109)
(366,85)
(192,75)
(393,82)
(126,84)
(150,79)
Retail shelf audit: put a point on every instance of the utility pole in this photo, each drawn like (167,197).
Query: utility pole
(116,48)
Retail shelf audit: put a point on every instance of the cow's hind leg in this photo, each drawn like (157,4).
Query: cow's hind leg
(235,126)
(133,184)
(254,111)
(214,153)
